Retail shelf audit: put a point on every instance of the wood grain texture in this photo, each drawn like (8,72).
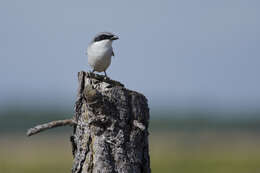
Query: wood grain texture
(111,134)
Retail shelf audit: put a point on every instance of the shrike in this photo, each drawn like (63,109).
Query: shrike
(100,51)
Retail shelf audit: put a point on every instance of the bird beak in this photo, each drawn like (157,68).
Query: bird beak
(114,37)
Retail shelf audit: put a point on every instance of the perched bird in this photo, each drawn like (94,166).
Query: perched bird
(100,51)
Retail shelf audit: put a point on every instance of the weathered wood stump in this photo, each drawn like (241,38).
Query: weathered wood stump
(111,130)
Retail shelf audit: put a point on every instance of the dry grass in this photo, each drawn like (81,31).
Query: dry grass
(181,152)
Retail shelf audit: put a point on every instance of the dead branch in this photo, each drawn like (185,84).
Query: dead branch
(49,125)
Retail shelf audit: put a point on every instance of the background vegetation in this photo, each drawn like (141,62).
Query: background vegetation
(179,142)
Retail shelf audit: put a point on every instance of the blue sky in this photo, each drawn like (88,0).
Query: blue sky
(178,53)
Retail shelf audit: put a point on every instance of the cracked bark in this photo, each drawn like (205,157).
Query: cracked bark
(111,134)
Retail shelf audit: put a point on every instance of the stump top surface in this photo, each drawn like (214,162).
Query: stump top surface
(101,78)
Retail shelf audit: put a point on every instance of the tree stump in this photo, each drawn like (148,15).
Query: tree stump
(111,130)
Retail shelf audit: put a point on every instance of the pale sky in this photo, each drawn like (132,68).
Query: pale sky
(177,53)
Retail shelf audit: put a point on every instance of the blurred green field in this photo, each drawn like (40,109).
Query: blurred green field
(176,151)
(188,142)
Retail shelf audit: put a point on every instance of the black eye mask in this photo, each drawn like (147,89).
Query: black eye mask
(103,37)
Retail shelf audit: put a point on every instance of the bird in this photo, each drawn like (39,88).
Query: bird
(100,51)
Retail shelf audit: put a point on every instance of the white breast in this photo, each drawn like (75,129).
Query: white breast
(99,55)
